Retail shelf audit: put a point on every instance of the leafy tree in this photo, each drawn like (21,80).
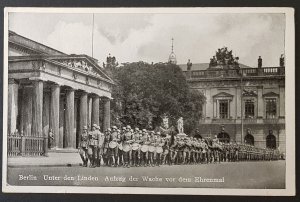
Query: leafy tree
(145,92)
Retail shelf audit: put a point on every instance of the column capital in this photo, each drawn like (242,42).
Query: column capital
(55,84)
(105,98)
(281,85)
(12,81)
(93,95)
(259,87)
(70,89)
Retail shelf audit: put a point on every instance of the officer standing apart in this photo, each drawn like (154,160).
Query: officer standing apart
(83,146)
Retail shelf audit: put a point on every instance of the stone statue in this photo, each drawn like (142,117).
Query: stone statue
(180,125)
(189,65)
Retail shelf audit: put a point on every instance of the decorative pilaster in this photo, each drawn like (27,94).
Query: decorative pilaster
(260,102)
(54,114)
(70,138)
(37,109)
(106,114)
(281,101)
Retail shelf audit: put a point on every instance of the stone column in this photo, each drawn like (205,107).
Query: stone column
(83,113)
(61,122)
(75,119)
(260,102)
(281,101)
(54,114)
(90,112)
(46,116)
(13,89)
(70,138)
(106,114)
(26,115)
(37,109)
(95,110)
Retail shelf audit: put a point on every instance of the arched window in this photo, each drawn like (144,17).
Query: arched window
(271,141)
(249,139)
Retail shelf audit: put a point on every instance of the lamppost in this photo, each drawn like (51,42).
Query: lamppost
(242,111)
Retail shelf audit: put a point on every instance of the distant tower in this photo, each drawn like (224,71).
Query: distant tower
(172,57)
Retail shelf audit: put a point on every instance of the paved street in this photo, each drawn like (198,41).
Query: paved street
(235,175)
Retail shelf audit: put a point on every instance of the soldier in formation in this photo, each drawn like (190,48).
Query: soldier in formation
(127,147)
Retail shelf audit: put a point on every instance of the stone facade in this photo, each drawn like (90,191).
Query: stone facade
(48,89)
(251,100)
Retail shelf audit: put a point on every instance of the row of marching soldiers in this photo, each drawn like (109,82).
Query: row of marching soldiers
(127,147)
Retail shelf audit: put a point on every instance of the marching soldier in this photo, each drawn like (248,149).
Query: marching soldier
(92,149)
(113,147)
(120,147)
(151,151)
(186,151)
(173,149)
(100,148)
(166,153)
(106,146)
(145,146)
(83,146)
(159,149)
(127,141)
(136,150)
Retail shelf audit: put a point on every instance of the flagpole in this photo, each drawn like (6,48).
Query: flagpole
(242,113)
(93,37)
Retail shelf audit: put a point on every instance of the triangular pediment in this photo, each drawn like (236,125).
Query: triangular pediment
(270,94)
(82,62)
(223,94)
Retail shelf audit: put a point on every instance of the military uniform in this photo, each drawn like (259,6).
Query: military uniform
(83,146)
(136,152)
(127,140)
(113,152)
(145,141)
(93,143)
(100,146)
(151,157)
(106,150)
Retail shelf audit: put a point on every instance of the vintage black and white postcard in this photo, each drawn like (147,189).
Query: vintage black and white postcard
(149,101)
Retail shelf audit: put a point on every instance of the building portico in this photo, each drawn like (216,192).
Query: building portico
(58,93)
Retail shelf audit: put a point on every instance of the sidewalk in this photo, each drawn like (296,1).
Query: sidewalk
(54,159)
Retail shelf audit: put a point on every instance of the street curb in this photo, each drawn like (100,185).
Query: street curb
(51,165)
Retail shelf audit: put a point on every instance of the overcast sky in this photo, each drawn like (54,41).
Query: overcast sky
(147,37)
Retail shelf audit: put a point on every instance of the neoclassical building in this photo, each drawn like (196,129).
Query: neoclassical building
(249,102)
(49,90)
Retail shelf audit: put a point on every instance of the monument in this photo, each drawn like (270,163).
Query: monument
(180,127)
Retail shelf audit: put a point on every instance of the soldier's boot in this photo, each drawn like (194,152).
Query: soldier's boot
(85,161)
(116,161)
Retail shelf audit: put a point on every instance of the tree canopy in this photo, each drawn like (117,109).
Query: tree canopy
(145,92)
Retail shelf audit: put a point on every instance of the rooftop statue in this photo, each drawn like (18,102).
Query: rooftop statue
(223,58)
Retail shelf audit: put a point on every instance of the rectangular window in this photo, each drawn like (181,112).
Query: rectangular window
(271,108)
(249,109)
(223,107)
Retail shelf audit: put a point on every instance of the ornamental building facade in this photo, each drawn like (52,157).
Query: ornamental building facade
(52,96)
(249,102)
